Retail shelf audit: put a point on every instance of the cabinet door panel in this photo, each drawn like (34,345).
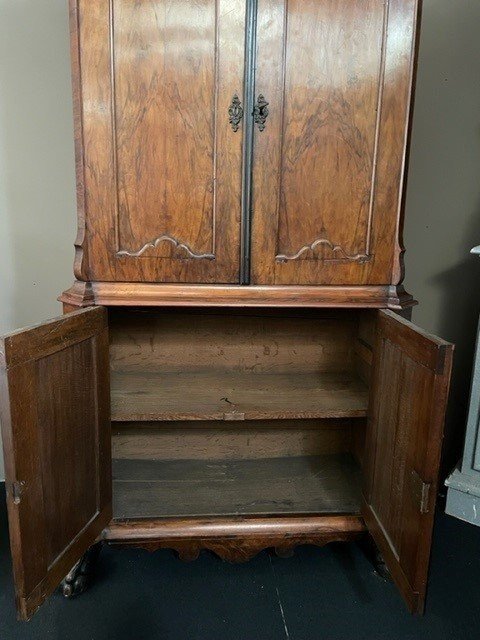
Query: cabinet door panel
(328,167)
(55,414)
(162,164)
(411,373)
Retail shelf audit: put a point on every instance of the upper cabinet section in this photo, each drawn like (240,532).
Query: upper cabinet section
(159,161)
(329,164)
(257,142)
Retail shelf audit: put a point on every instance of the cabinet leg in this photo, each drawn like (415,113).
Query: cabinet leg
(375,558)
(79,577)
(379,566)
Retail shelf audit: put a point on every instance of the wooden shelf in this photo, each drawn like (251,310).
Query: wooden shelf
(224,395)
(323,484)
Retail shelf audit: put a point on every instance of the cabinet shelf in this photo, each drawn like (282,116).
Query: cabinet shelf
(226,395)
(322,484)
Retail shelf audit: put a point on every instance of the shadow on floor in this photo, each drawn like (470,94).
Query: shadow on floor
(328,594)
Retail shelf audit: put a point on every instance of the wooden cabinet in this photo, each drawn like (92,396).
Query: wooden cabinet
(256,142)
(232,432)
(240,180)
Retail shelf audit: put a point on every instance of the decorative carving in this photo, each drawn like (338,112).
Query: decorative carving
(235,112)
(336,249)
(260,112)
(176,243)
(238,550)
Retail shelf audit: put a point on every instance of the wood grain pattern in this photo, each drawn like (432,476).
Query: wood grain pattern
(235,441)
(57,447)
(44,339)
(411,373)
(177,488)
(234,539)
(208,366)
(161,174)
(159,168)
(329,166)
(232,396)
(187,341)
(147,294)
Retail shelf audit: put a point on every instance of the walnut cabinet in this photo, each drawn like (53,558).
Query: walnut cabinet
(241,142)
(234,370)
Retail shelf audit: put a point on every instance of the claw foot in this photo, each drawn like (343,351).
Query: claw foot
(79,577)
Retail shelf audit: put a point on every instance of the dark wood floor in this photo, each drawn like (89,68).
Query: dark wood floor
(328,593)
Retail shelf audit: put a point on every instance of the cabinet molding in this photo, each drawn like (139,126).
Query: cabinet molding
(234,539)
(137,294)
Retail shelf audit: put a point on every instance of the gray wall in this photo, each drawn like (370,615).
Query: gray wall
(442,219)
(37,181)
(37,191)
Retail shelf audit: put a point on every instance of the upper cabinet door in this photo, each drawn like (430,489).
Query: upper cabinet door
(159,141)
(329,162)
(411,373)
(55,415)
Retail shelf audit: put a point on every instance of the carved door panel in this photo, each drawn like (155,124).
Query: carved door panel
(158,92)
(411,374)
(329,156)
(55,418)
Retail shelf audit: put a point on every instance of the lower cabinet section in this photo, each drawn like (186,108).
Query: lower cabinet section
(236,432)
(231,430)
(237,507)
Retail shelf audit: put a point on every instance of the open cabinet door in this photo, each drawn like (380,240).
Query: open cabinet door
(411,373)
(55,414)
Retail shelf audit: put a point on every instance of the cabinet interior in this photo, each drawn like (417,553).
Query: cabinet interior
(239,413)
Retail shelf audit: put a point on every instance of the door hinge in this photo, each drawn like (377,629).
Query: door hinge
(421,492)
(16,490)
